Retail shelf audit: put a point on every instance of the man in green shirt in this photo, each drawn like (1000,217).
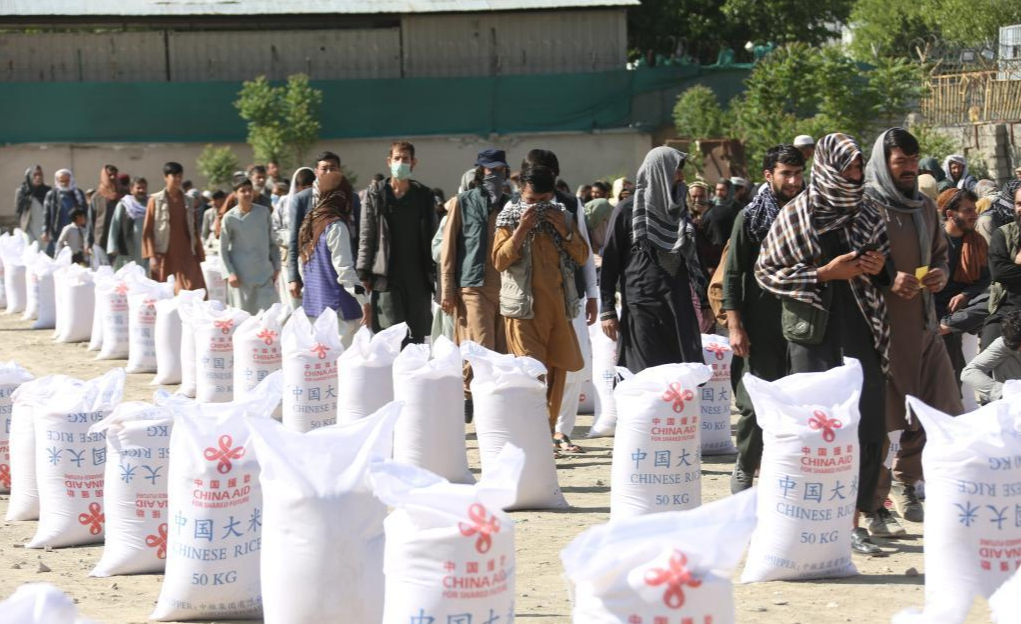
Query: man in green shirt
(753,315)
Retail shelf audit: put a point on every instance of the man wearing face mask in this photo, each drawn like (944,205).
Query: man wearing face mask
(469,283)
(394,247)
(919,365)
(753,315)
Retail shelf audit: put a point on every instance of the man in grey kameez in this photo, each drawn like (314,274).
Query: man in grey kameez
(248,252)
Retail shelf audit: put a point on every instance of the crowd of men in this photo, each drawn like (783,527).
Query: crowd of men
(884,257)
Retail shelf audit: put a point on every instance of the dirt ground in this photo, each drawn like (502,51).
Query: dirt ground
(883,587)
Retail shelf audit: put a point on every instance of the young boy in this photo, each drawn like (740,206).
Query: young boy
(1000,361)
(73,236)
(248,252)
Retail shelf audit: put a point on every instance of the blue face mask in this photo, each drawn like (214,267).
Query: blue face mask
(400,170)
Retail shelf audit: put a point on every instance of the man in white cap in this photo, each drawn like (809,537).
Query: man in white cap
(806,144)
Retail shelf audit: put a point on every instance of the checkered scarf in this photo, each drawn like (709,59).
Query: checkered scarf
(760,214)
(791,253)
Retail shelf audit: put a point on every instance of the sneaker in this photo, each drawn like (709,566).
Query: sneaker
(739,479)
(861,544)
(469,410)
(883,524)
(906,502)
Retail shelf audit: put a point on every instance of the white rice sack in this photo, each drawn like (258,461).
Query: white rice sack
(137,513)
(24,501)
(71,461)
(716,396)
(215,532)
(972,466)
(510,407)
(39,603)
(12,251)
(808,475)
(96,338)
(430,433)
(604,378)
(365,372)
(192,311)
(112,295)
(76,302)
(449,548)
(216,279)
(1006,602)
(142,300)
(575,382)
(214,353)
(169,335)
(587,398)
(672,567)
(322,544)
(657,465)
(310,353)
(3,287)
(40,292)
(11,378)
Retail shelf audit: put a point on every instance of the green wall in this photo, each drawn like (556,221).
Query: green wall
(73,112)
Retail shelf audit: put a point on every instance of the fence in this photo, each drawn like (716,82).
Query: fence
(972,97)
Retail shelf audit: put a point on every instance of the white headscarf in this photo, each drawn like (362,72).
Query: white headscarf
(959,159)
(285,206)
(71,186)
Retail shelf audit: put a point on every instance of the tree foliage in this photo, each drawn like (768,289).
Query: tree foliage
(283,121)
(698,114)
(707,26)
(799,89)
(217,164)
(890,27)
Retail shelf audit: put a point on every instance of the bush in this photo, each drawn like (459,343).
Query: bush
(698,115)
(282,121)
(218,164)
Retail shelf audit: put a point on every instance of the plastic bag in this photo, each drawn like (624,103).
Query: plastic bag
(39,603)
(112,295)
(40,291)
(142,300)
(972,466)
(75,297)
(12,251)
(510,407)
(96,337)
(216,281)
(310,370)
(430,434)
(71,460)
(216,510)
(604,378)
(11,378)
(135,496)
(322,544)
(809,474)
(169,338)
(449,548)
(716,396)
(657,465)
(670,567)
(214,353)
(365,372)
(257,350)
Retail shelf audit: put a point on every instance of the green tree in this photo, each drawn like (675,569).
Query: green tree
(887,28)
(282,120)
(933,143)
(217,164)
(971,22)
(787,21)
(698,115)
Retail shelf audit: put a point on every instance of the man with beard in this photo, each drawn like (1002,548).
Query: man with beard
(919,365)
(968,268)
(257,174)
(124,242)
(826,251)
(958,176)
(753,315)
(102,206)
(1004,268)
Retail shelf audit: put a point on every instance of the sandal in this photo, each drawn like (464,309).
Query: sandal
(565,445)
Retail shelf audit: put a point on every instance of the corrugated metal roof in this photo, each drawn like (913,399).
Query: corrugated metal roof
(171,8)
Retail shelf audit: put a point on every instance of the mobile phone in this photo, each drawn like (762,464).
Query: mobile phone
(867,247)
